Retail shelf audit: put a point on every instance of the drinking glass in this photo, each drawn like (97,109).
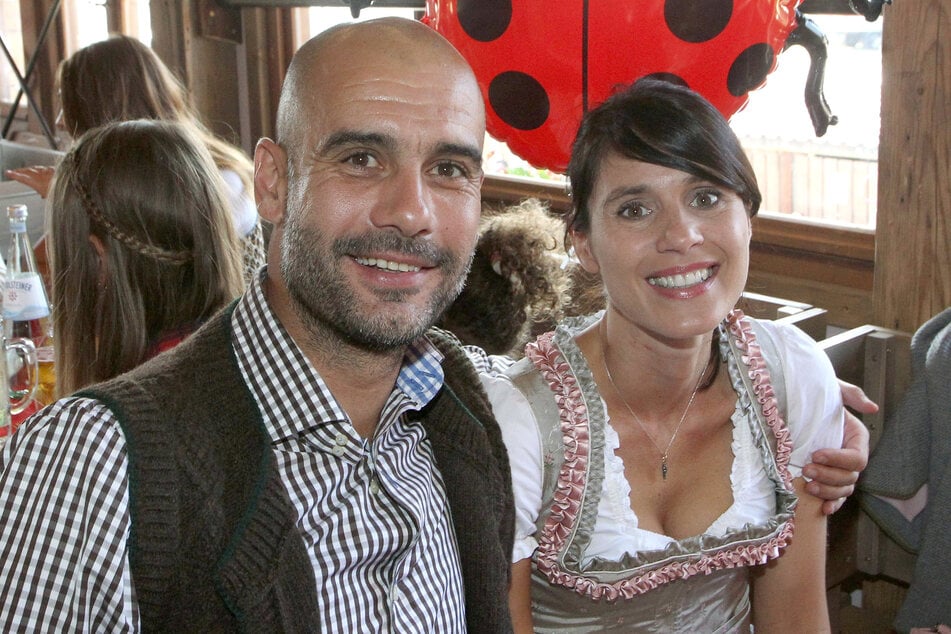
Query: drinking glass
(19,359)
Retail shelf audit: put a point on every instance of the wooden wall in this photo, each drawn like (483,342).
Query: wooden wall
(232,60)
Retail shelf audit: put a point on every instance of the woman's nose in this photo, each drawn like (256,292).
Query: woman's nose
(681,231)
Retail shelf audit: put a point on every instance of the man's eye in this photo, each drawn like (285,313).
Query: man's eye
(450,170)
(361,160)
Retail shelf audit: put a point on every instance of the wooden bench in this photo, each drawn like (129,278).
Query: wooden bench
(810,319)
(878,360)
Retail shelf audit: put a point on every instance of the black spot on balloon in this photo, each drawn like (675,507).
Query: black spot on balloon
(697,20)
(750,69)
(484,20)
(519,100)
(670,78)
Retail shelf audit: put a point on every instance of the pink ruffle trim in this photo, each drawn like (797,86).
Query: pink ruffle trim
(742,332)
(569,490)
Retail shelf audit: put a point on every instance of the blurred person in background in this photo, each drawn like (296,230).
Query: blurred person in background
(121,79)
(141,247)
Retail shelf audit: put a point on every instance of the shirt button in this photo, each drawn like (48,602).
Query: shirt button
(338,451)
(374,486)
(341,440)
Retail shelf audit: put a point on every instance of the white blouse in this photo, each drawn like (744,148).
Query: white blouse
(814,417)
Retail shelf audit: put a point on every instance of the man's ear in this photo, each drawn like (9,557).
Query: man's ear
(270,180)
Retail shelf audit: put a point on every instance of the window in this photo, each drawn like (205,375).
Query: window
(82,22)
(85,22)
(13,39)
(829,179)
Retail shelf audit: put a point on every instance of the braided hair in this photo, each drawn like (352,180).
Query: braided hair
(141,244)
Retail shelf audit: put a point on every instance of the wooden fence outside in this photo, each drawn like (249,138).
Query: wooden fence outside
(805,184)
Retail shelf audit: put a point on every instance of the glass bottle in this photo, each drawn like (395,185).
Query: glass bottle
(26,307)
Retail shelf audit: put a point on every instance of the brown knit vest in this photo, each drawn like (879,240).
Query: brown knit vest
(214,544)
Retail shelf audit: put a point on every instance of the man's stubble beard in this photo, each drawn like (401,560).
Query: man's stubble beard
(328,306)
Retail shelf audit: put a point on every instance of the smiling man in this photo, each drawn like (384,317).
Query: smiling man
(314,458)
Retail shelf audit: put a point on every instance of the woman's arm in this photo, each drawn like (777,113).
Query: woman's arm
(520,597)
(789,593)
(522,441)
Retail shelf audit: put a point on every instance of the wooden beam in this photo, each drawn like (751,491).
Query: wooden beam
(232,61)
(216,21)
(42,80)
(269,46)
(912,279)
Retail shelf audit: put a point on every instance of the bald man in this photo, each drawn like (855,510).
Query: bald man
(314,458)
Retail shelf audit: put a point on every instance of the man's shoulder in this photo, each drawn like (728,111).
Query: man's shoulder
(71,426)
(197,384)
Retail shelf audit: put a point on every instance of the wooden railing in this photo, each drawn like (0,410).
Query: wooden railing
(859,552)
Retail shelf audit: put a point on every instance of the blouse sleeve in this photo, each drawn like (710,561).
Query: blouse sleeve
(814,410)
(520,433)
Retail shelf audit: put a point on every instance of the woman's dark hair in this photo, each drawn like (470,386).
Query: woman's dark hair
(661,123)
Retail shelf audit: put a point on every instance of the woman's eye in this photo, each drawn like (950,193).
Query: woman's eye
(706,199)
(635,210)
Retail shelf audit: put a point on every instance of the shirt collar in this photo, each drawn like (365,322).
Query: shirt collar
(291,393)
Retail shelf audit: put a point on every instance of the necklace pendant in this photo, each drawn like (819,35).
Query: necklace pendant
(663,467)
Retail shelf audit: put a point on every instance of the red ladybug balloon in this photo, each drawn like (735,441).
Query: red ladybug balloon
(542,64)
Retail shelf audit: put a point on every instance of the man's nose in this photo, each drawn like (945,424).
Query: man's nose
(406,204)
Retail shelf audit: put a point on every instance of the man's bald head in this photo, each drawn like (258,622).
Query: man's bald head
(386,47)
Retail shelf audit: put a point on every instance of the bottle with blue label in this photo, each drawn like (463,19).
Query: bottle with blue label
(26,306)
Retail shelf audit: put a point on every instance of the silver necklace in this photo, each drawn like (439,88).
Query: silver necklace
(664,453)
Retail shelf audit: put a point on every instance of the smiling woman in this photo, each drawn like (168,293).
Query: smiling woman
(671,451)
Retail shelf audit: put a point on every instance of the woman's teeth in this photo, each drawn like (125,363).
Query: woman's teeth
(681,281)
